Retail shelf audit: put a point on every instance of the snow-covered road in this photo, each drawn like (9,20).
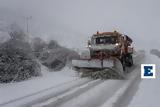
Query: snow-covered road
(98,93)
(148,93)
(72,91)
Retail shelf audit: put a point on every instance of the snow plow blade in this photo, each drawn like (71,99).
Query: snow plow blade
(109,69)
(93,64)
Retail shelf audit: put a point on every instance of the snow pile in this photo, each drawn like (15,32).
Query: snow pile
(103,74)
(107,74)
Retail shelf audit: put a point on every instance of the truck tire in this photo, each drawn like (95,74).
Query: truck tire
(129,60)
(123,63)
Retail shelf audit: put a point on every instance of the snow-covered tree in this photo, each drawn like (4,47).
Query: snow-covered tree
(17,61)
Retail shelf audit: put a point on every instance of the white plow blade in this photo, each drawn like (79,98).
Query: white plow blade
(92,63)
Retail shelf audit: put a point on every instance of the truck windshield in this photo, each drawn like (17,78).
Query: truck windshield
(106,40)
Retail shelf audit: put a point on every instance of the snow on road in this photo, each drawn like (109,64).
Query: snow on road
(66,89)
(148,94)
(95,95)
(17,91)
(71,94)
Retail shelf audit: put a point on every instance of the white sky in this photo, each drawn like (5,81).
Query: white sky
(71,22)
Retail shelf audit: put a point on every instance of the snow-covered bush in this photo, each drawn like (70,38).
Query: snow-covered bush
(17,65)
(58,57)
(17,62)
(53,55)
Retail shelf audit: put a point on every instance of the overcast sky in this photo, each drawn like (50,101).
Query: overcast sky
(71,22)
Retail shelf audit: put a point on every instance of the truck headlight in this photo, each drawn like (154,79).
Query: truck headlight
(88,46)
(116,44)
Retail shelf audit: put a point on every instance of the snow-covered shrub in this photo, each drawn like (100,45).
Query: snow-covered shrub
(52,54)
(17,65)
(17,62)
(55,56)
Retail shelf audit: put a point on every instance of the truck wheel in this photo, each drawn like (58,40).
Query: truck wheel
(123,63)
(129,60)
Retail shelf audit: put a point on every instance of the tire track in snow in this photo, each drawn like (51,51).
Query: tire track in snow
(57,101)
(132,88)
(125,94)
(78,82)
(125,99)
(95,96)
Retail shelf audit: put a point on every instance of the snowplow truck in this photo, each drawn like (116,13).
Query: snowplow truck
(106,50)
